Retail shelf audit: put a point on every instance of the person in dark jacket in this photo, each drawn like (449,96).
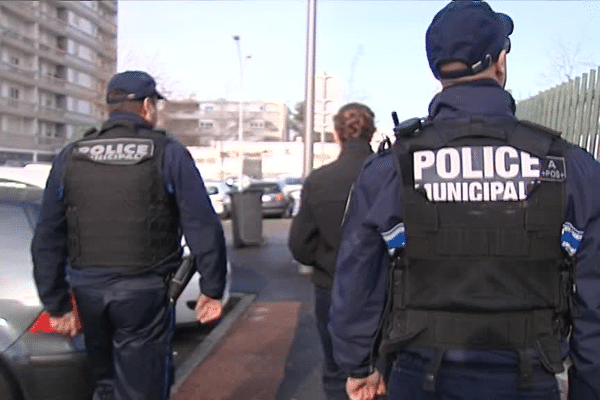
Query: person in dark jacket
(315,231)
(492,225)
(114,210)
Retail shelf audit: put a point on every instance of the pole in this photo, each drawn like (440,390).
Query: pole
(241,118)
(309,98)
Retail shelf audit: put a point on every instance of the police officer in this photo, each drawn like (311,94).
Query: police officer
(315,232)
(469,255)
(115,206)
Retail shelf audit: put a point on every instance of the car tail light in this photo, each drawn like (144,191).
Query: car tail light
(279,197)
(42,322)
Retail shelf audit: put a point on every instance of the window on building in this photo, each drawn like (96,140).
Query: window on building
(14,93)
(206,125)
(14,60)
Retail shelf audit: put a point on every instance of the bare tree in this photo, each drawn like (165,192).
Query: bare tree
(566,62)
(166,84)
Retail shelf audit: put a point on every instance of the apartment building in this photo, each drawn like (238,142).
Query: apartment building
(56,58)
(199,123)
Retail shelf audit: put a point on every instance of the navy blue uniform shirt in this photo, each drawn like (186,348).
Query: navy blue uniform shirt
(374,225)
(198,221)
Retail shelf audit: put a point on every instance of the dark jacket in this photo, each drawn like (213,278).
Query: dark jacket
(374,224)
(198,222)
(316,229)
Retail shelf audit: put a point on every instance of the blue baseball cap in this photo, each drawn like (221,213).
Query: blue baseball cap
(131,85)
(467,31)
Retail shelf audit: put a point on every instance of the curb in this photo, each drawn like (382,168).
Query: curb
(203,350)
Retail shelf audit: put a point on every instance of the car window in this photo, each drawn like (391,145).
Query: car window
(210,189)
(266,188)
(16,232)
(292,181)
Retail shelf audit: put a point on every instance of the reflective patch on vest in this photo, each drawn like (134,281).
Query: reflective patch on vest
(571,238)
(395,237)
(481,173)
(553,169)
(122,151)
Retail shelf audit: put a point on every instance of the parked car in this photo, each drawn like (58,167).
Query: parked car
(290,183)
(218,192)
(35,176)
(274,200)
(292,186)
(295,195)
(35,361)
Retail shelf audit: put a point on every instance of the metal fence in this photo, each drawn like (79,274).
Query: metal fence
(572,108)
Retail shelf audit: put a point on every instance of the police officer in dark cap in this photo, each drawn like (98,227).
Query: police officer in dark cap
(469,254)
(115,207)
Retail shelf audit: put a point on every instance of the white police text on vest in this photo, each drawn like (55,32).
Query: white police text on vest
(481,173)
(116,151)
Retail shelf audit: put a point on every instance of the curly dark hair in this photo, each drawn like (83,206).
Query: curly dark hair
(354,121)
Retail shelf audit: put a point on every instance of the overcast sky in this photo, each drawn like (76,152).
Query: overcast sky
(375,48)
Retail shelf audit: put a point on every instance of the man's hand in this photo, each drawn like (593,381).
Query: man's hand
(369,388)
(208,309)
(66,324)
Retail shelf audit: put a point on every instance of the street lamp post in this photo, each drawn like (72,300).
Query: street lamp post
(241,118)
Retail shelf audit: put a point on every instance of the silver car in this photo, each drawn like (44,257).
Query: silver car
(35,362)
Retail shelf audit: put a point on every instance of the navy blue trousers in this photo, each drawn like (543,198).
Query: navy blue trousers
(334,380)
(128,328)
(473,382)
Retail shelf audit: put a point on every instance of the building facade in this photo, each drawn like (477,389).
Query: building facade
(200,123)
(56,58)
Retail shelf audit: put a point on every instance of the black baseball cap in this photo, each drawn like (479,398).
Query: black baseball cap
(131,85)
(467,31)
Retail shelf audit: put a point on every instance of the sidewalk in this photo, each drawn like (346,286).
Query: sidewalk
(248,363)
(267,346)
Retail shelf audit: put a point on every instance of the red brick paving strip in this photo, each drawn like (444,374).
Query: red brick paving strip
(250,363)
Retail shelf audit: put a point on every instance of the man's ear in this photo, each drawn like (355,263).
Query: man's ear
(148,105)
(149,110)
(500,68)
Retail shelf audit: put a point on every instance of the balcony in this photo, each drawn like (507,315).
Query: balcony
(17,40)
(51,114)
(48,143)
(13,106)
(82,92)
(52,83)
(16,73)
(94,16)
(94,42)
(56,25)
(22,9)
(17,140)
(53,53)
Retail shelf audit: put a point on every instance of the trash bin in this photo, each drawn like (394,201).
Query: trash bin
(246,218)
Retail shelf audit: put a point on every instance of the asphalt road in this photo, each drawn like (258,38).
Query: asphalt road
(269,273)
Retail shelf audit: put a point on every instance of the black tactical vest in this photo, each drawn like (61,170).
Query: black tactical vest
(118,212)
(483,266)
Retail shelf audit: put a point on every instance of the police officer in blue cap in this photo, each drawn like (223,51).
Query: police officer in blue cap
(115,207)
(469,255)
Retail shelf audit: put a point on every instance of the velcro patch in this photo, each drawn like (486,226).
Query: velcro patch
(553,169)
(122,151)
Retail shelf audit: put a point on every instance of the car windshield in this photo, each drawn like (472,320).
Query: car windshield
(266,188)
(292,181)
